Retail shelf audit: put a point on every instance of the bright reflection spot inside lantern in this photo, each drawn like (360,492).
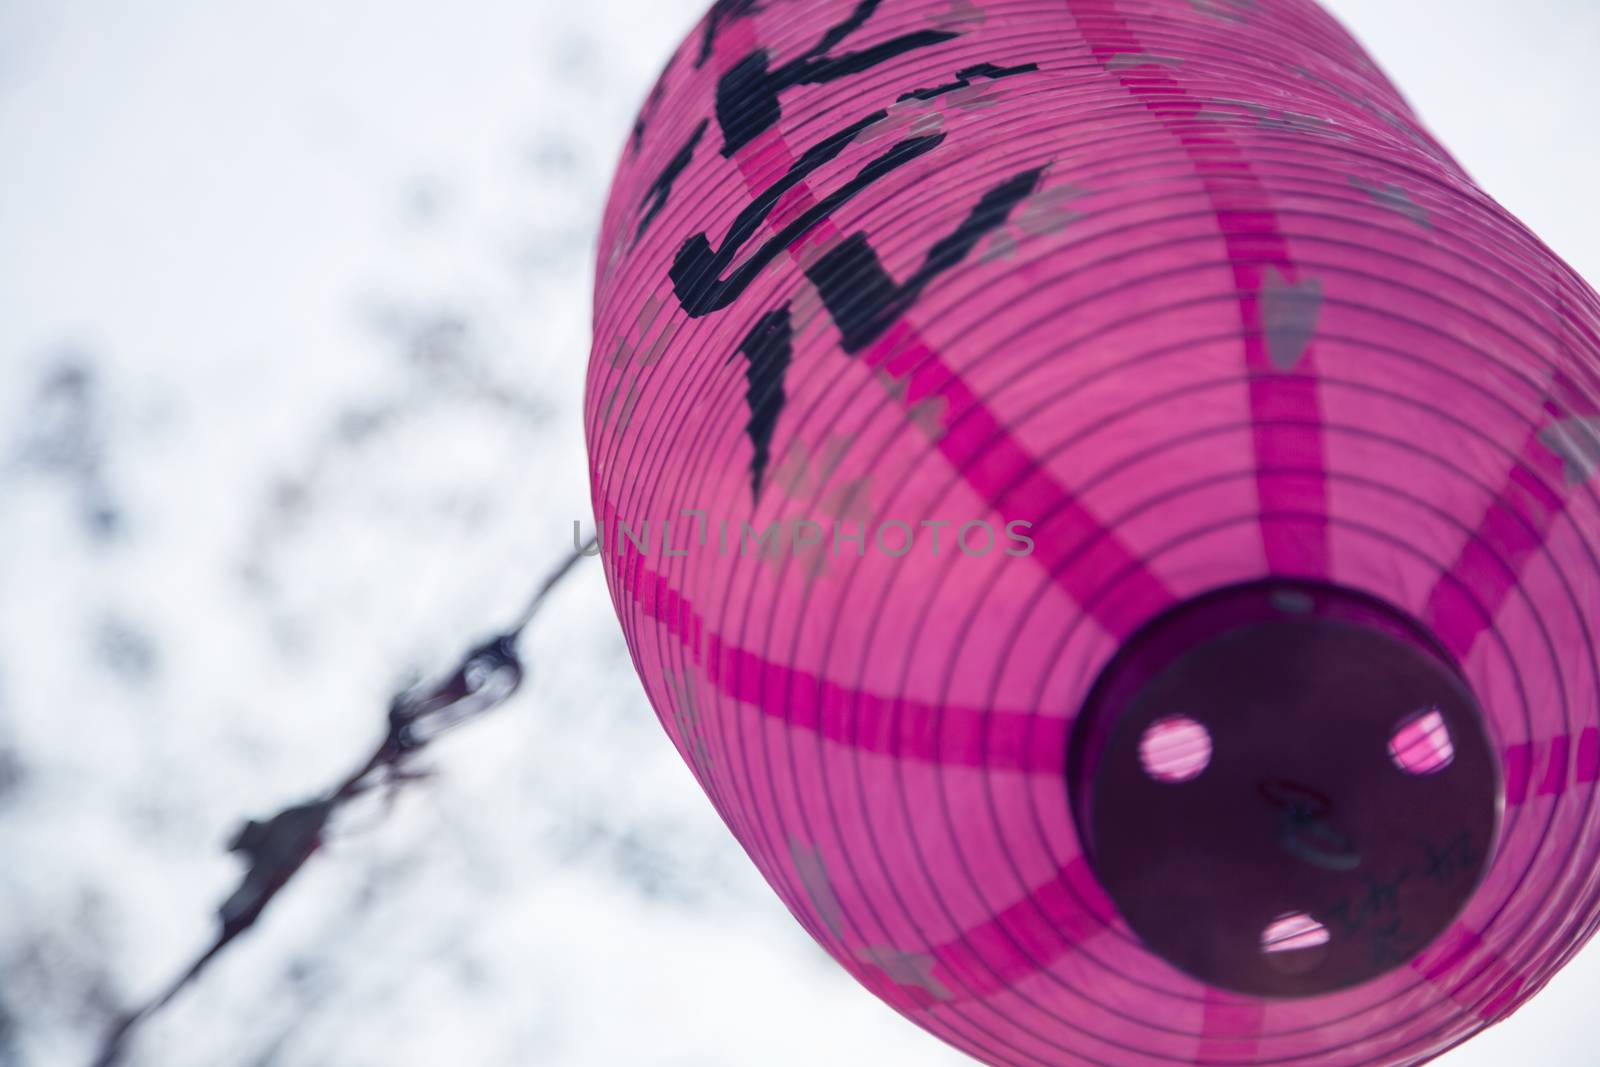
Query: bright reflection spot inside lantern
(1292,932)
(1175,749)
(1421,743)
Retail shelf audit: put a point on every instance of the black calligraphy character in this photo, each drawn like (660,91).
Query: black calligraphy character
(748,94)
(767,349)
(964,79)
(865,301)
(661,188)
(696,271)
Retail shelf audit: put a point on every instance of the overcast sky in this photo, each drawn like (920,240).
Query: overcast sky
(293,318)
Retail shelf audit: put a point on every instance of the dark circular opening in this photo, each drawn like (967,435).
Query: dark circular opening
(1285,787)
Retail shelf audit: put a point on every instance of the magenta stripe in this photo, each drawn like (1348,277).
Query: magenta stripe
(1230,1027)
(1553,764)
(1290,469)
(1024,939)
(980,447)
(1470,973)
(891,726)
(1086,558)
(1466,599)
(1588,768)
(996,739)
(1558,768)
(1513,529)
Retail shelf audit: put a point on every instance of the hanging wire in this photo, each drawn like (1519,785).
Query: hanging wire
(275,850)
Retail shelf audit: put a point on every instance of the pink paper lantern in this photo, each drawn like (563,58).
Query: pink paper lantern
(1107,510)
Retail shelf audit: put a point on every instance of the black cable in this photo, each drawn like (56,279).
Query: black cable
(275,850)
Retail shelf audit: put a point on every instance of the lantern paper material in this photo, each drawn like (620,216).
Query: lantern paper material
(942,344)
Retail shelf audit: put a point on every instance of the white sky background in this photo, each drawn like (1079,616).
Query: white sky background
(320,272)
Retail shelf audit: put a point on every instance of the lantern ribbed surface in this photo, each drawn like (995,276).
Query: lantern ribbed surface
(944,352)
